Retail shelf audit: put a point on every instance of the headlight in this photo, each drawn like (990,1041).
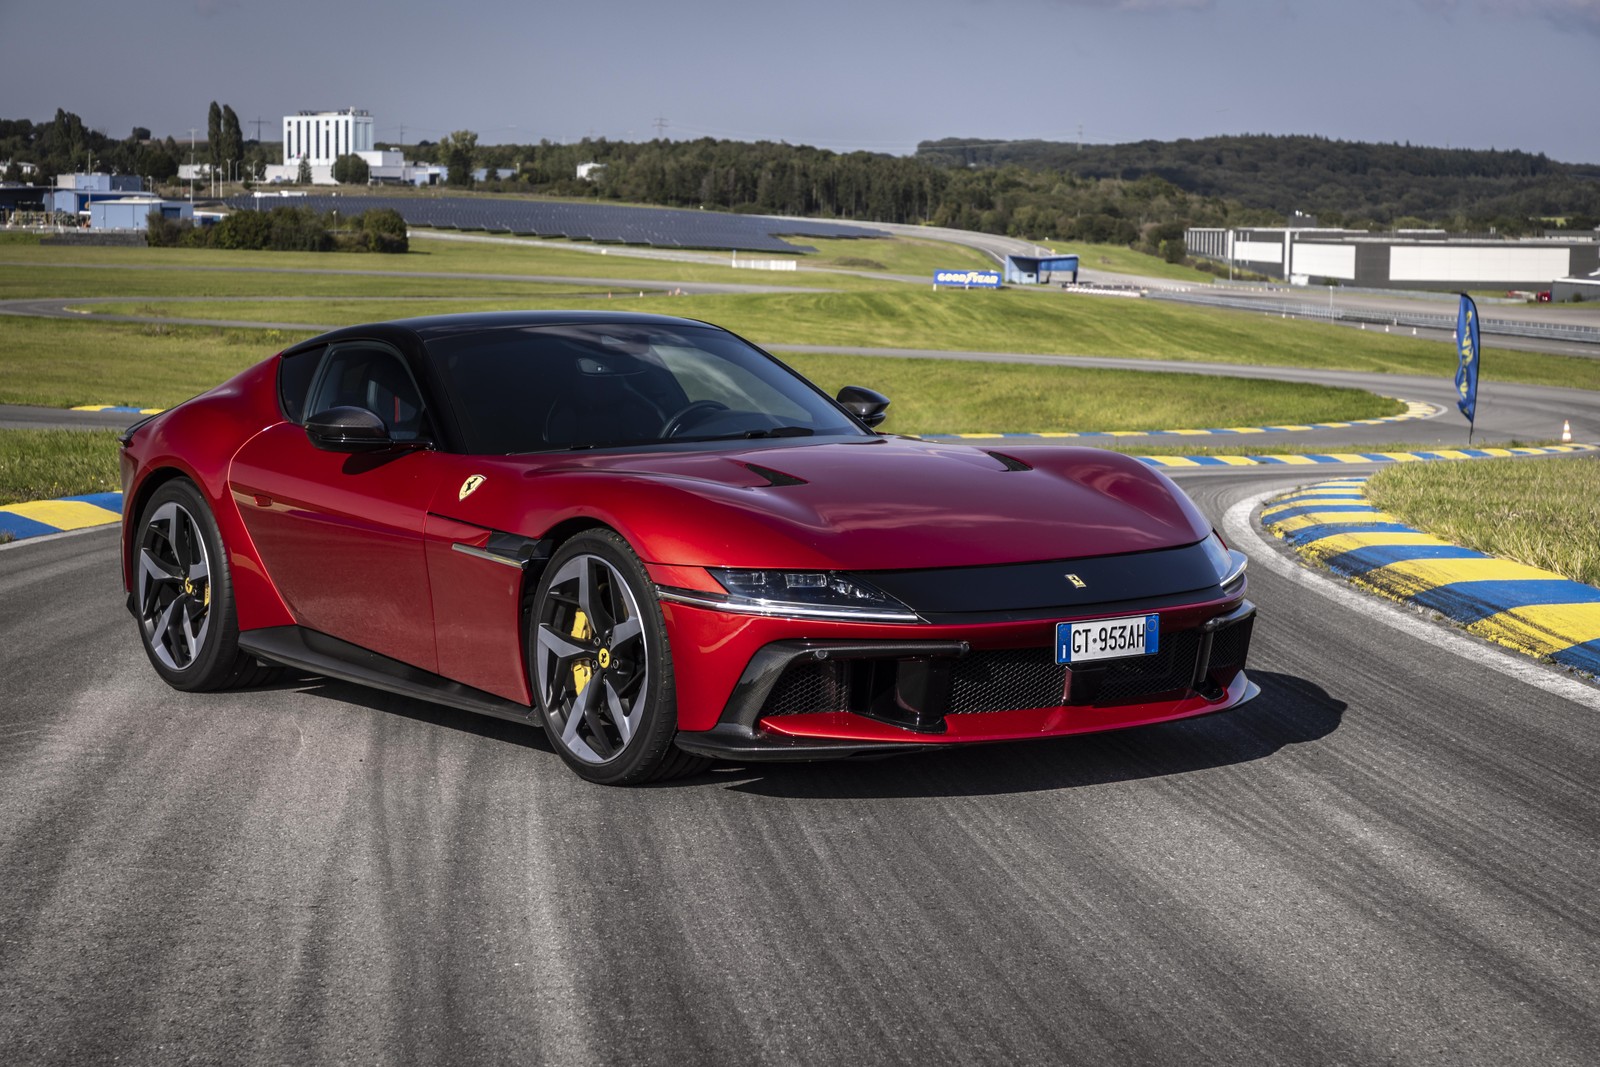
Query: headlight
(813,594)
(1229,563)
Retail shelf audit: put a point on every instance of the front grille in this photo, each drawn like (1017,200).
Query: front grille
(1011,679)
(1006,679)
(809,687)
(1170,670)
(1229,647)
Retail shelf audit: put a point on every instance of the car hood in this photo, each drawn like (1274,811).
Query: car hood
(883,504)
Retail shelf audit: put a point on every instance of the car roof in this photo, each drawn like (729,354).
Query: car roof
(427,327)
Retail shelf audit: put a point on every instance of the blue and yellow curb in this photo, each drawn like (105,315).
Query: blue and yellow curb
(124,408)
(1524,608)
(1415,409)
(39,517)
(1313,458)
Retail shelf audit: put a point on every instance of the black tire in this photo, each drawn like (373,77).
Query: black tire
(183,595)
(602,671)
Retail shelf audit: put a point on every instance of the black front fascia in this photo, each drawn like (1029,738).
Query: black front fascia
(1167,577)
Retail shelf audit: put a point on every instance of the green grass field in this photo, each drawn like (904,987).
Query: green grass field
(1544,513)
(849,303)
(1120,260)
(46,464)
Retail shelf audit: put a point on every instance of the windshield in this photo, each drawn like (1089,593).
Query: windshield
(540,388)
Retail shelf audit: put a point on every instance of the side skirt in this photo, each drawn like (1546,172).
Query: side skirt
(309,650)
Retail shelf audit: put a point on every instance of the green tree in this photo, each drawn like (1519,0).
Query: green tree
(155,162)
(351,170)
(242,229)
(456,151)
(232,149)
(384,230)
(214,136)
(297,229)
(304,176)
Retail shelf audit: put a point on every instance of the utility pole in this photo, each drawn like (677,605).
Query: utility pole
(1080,137)
(258,123)
(192,132)
(660,125)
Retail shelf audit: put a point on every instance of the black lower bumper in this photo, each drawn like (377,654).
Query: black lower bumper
(731,741)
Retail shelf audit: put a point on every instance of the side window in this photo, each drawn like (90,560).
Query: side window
(373,377)
(295,374)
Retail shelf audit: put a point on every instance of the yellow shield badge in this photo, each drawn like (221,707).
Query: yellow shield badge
(468,486)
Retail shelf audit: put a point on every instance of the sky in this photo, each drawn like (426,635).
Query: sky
(878,75)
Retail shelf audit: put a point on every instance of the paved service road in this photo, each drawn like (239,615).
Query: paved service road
(1388,857)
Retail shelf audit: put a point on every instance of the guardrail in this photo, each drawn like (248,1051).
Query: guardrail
(1416,319)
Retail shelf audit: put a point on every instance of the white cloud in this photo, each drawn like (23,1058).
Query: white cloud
(1568,14)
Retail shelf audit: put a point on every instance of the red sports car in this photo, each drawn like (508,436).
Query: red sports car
(664,546)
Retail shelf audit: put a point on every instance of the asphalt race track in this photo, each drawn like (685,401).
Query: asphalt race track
(1388,857)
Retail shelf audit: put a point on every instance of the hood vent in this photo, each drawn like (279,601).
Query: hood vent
(1012,463)
(774,477)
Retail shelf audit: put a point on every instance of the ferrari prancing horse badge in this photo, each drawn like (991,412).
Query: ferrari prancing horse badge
(468,486)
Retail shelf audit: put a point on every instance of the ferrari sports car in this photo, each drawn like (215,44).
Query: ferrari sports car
(663,546)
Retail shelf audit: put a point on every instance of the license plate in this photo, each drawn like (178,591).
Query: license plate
(1081,642)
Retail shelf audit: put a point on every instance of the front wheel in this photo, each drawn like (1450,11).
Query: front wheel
(602,669)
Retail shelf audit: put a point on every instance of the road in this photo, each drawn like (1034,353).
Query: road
(1387,857)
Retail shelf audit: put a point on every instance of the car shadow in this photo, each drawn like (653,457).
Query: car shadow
(527,735)
(1289,711)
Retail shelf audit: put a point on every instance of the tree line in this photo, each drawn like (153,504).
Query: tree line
(286,228)
(1355,184)
(1142,194)
(64,145)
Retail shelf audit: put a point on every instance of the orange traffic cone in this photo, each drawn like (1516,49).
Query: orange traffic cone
(1566,431)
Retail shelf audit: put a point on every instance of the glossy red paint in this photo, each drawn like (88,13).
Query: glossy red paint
(197,440)
(341,536)
(876,504)
(477,610)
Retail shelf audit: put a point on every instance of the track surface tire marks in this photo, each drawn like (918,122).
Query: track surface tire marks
(1385,858)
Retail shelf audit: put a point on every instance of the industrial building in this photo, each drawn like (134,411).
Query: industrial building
(133,212)
(321,137)
(1405,259)
(74,193)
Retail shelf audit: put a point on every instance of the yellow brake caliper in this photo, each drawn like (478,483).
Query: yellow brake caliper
(582,670)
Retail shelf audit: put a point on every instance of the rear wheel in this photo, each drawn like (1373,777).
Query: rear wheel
(183,595)
(601,665)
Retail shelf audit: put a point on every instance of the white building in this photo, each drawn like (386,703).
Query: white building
(321,137)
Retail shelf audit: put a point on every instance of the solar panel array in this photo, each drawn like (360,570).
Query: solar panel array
(580,221)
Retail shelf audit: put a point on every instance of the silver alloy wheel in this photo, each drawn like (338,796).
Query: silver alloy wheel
(174,586)
(593,667)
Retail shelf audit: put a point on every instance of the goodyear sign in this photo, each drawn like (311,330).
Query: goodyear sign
(968,279)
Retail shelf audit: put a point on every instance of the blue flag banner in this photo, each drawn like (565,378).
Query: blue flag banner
(1467,355)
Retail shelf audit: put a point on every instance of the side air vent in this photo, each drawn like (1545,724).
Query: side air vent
(1012,462)
(775,477)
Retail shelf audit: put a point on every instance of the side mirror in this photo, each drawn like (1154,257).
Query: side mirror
(869,406)
(348,430)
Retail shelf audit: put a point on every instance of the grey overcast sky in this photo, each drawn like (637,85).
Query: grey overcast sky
(843,74)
